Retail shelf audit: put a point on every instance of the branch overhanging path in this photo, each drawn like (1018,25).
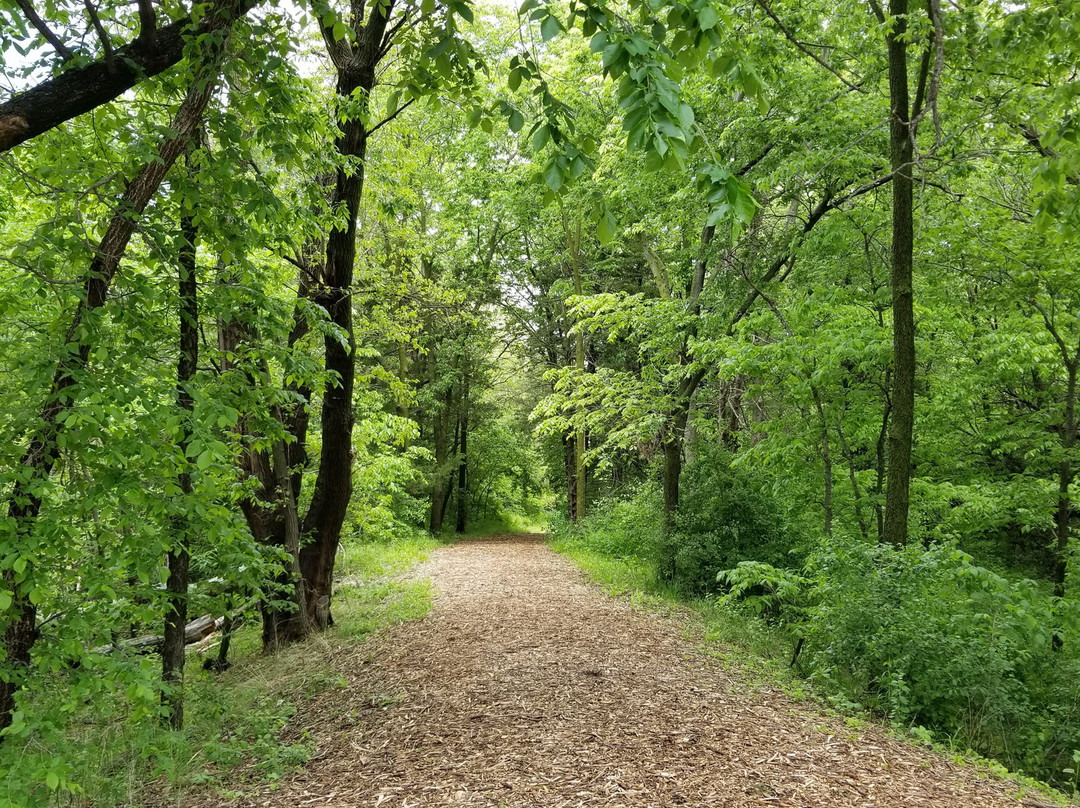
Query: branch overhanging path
(526,686)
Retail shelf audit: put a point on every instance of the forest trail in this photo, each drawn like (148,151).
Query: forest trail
(526,686)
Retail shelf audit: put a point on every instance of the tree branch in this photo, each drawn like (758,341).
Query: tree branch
(79,90)
(32,16)
(390,117)
(791,38)
(103,35)
(147,20)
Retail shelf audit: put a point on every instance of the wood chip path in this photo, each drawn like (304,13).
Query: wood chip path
(526,686)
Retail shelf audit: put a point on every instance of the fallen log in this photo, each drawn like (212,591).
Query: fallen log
(196,630)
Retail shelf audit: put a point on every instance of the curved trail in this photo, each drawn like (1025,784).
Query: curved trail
(526,686)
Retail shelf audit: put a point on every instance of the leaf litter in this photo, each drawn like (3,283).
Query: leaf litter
(527,686)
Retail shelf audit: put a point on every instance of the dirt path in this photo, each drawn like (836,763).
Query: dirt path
(526,686)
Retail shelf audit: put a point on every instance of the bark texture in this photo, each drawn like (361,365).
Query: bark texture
(80,90)
(356,76)
(902,424)
(179,557)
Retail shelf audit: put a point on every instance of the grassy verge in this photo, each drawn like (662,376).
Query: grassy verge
(727,636)
(233,738)
(759,652)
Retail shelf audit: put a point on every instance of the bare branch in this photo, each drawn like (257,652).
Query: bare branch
(933,9)
(32,16)
(390,117)
(103,35)
(791,37)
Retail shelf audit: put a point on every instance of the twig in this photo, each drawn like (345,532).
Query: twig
(390,117)
(103,35)
(38,23)
(791,37)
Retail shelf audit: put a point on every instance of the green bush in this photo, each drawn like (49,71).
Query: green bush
(928,638)
(725,517)
(626,526)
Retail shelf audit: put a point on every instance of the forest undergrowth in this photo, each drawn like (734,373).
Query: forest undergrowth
(234,736)
(778,628)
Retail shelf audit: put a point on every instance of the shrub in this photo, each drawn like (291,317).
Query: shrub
(626,526)
(725,517)
(929,638)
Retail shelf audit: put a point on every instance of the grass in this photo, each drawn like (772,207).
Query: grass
(732,638)
(233,736)
(759,652)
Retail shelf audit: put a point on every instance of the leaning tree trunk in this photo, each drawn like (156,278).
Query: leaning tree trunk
(333,486)
(901,429)
(24,502)
(179,556)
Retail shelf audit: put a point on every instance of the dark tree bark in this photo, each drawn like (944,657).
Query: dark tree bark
(80,90)
(901,429)
(463,462)
(569,454)
(684,395)
(849,458)
(1063,514)
(24,502)
(440,484)
(1067,431)
(356,76)
(179,557)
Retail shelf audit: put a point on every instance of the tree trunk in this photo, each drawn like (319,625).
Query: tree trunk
(569,452)
(579,452)
(895,527)
(826,459)
(673,457)
(24,502)
(849,458)
(333,485)
(179,556)
(1063,515)
(879,458)
(440,488)
(463,463)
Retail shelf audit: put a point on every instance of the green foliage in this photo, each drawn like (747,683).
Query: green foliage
(725,517)
(113,747)
(621,526)
(929,639)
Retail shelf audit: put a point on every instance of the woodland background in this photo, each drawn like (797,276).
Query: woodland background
(772,307)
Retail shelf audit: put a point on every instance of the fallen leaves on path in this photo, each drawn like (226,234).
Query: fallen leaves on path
(526,686)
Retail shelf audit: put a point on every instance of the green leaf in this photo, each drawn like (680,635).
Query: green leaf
(5,600)
(553,177)
(52,780)
(550,27)
(517,120)
(540,137)
(427,7)
(707,18)
(204,460)
(605,228)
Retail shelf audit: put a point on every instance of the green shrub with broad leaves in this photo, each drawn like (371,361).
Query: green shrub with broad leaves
(929,638)
(726,516)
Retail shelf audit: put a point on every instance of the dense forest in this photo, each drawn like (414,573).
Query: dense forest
(776,300)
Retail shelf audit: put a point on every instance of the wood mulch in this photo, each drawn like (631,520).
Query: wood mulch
(526,686)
